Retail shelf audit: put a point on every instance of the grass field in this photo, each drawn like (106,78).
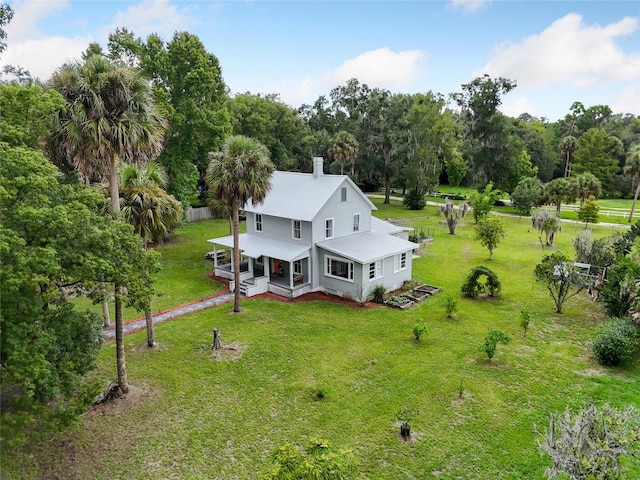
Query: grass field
(192,415)
(182,278)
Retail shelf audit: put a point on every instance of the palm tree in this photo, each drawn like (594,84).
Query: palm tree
(240,172)
(145,204)
(109,116)
(568,145)
(632,170)
(557,191)
(220,209)
(151,210)
(587,185)
(344,149)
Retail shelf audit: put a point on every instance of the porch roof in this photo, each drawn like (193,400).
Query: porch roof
(389,228)
(367,247)
(254,246)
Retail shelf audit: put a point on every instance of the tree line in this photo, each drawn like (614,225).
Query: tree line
(380,138)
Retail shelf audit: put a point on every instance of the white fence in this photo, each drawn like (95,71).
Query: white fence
(606,212)
(201,213)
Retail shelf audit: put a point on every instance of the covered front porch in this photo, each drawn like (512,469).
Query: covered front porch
(266,265)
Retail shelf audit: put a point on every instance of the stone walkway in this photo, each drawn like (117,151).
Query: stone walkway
(139,324)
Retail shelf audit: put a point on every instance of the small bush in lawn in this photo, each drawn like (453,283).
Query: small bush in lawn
(491,341)
(616,342)
(450,306)
(414,200)
(319,393)
(481,279)
(419,329)
(405,416)
(378,293)
(525,319)
(319,460)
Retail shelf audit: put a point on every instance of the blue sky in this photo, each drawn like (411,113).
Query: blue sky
(559,52)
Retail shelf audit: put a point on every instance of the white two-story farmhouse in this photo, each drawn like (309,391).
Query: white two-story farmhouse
(315,232)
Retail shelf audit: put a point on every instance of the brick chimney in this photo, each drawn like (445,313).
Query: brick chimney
(317,167)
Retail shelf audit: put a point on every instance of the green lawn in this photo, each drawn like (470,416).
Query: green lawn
(194,416)
(184,268)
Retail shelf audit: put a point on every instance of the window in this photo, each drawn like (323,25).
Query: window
(328,228)
(258,222)
(296,227)
(356,222)
(400,262)
(297,267)
(337,268)
(343,194)
(375,270)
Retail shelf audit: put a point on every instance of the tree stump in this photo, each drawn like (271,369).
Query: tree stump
(217,345)
(110,392)
(405,431)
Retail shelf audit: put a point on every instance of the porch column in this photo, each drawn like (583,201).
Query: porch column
(266,261)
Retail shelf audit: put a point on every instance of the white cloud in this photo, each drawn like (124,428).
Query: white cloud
(628,101)
(514,107)
(29,48)
(27,14)
(42,57)
(381,68)
(568,51)
(150,16)
(468,6)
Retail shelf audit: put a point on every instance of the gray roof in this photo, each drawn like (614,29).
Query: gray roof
(254,246)
(367,247)
(300,196)
(382,226)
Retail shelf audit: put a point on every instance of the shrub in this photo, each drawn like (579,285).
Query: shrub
(318,461)
(405,415)
(616,342)
(491,341)
(378,293)
(525,319)
(481,202)
(319,393)
(589,444)
(474,284)
(414,200)
(450,306)
(419,329)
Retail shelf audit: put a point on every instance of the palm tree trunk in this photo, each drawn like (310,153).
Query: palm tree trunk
(105,304)
(633,205)
(151,334)
(236,256)
(148,316)
(114,191)
(123,383)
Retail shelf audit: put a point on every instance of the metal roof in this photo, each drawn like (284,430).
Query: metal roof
(367,247)
(382,226)
(301,195)
(254,246)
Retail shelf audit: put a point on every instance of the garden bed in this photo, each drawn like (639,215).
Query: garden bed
(399,301)
(423,291)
